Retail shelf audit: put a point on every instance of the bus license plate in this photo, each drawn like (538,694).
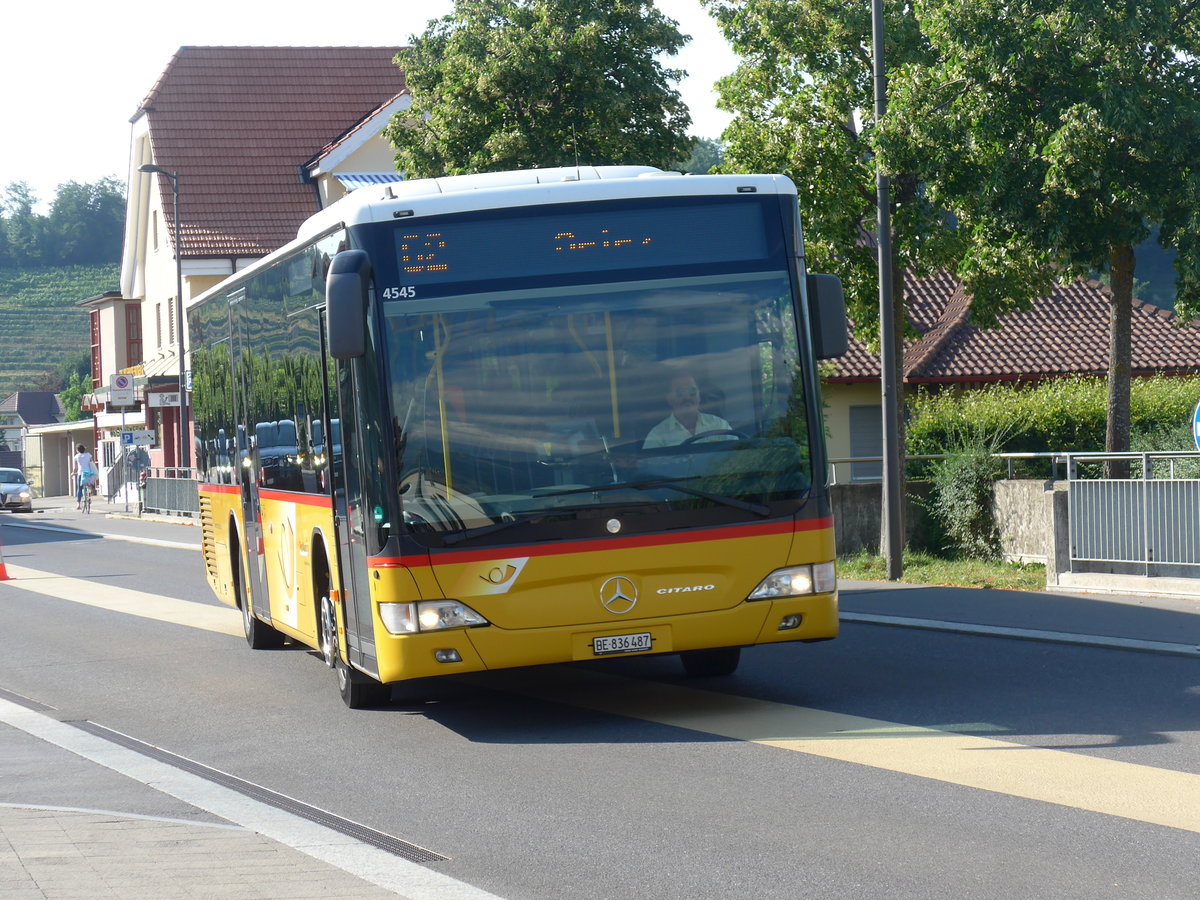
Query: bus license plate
(621,643)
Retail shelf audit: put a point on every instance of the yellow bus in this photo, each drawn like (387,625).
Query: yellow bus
(521,418)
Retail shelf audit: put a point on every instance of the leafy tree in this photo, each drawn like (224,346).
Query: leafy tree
(87,222)
(1028,142)
(503,84)
(802,98)
(71,397)
(6,256)
(25,229)
(1059,132)
(86,225)
(707,154)
(72,364)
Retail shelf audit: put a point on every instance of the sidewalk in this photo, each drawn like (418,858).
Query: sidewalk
(71,827)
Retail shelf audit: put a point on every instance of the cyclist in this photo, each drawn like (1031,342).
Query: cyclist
(85,473)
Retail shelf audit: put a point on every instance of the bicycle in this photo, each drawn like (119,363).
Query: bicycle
(89,491)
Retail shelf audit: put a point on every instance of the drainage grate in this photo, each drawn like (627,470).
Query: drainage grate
(24,701)
(385,842)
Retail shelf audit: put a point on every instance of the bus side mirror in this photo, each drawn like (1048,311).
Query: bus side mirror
(346,304)
(827,312)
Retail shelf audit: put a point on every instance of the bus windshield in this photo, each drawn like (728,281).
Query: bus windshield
(663,403)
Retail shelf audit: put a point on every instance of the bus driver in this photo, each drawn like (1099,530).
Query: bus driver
(686,420)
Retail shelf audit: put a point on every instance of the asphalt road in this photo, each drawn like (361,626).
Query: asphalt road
(891,762)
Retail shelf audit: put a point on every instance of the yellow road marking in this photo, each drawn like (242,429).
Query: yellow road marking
(1130,791)
(1127,790)
(221,619)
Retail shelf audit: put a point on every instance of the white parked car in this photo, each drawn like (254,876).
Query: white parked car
(15,492)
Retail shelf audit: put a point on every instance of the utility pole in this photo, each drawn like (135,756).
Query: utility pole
(892,539)
(185,453)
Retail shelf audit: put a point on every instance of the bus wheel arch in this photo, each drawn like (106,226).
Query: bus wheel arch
(326,611)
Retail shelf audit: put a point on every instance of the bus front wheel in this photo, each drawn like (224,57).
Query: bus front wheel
(710,663)
(358,691)
(329,639)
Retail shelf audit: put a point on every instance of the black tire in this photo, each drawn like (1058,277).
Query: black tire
(713,663)
(359,691)
(259,635)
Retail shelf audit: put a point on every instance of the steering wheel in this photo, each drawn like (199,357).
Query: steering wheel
(703,434)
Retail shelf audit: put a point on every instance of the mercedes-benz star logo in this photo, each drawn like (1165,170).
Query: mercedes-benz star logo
(618,594)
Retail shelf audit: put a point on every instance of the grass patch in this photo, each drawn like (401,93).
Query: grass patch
(923,568)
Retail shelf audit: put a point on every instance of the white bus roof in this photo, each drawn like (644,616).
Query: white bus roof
(496,190)
(403,200)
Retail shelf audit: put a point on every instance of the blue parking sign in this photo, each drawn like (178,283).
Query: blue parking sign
(126,438)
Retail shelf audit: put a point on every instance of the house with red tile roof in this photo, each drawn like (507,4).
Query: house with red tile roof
(249,142)
(1064,333)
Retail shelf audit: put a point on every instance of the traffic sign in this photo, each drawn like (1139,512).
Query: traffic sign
(120,390)
(126,438)
(1196,426)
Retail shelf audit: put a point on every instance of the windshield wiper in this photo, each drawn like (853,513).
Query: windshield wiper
(468,533)
(757,508)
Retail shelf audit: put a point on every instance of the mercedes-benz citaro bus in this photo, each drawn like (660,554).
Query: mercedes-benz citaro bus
(521,418)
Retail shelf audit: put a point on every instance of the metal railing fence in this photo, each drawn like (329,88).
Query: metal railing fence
(171,491)
(1150,518)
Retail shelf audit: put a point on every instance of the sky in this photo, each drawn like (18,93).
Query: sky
(74,71)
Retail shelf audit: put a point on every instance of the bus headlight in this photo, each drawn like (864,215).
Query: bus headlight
(818,578)
(428,615)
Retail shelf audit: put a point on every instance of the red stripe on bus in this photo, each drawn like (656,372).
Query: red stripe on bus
(439,557)
(221,488)
(305,499)
(299,497)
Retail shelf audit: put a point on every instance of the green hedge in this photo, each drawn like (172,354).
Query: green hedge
(1066,414)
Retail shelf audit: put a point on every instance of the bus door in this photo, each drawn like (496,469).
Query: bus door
(353,519)
(254,574)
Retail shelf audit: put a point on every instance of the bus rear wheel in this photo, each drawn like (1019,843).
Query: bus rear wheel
(259,635)
(710,663)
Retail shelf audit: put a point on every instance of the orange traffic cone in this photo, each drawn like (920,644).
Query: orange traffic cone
(4,576)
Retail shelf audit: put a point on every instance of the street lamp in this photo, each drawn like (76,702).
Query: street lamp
(184,449)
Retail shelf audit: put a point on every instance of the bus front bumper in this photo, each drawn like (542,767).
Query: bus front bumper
(813,617)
